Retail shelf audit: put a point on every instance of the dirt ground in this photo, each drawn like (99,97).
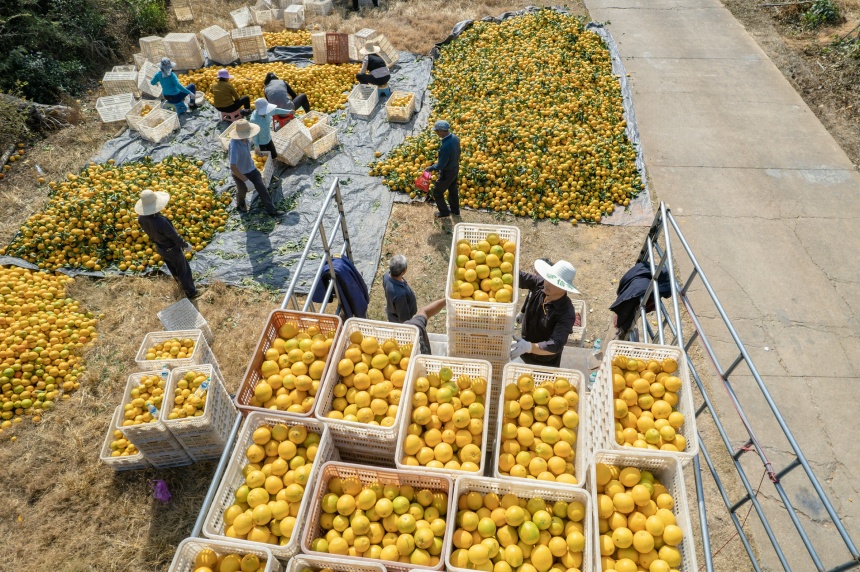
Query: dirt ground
(825,76)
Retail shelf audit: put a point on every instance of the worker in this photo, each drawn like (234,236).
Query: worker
(243,168)
(448,166)
(373,71)
(171,89)
(400,304)
(420,320)
(226,97)
(548,313)
(262,118)
(169,245)
(280,93)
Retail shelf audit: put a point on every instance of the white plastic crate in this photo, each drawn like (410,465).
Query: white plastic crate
(361,440)
(363,99)
(268,168)
(154,439)
(118,83)
(297,128)
(368,476)
(510,374)
(113,108)
(219,45)
(146,73)
(422,365)
(182,10)
(388,52)
(139,60)
(547,491)
(665,469)
(601,402)
(263,15)
(358,40)
(324,140)
(400,113)
(153,338)
(183,315)
(184,50)
(134,118)
(129,68)
(318,46)
(577,336)
(294,17)
(225,136)
(288,148)
(242,17)
(303,562)
(486,316)
(120,463)
(152,48)
(479,344)
(189,548)
(158,124)
(250,44)
(202,437)
(233,478)
(319,7)
(277,318)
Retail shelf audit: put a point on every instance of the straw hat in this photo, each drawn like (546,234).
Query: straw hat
(151,202)
(243,129)
(369,48)
(560,274)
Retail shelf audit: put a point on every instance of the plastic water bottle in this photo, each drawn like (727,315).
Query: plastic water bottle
(596,349)
(152,409)
(165,373)
(203,387)
(592,378)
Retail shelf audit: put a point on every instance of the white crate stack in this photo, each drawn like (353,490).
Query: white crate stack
(219,45)
(184,50)
(120,462)
(250,44)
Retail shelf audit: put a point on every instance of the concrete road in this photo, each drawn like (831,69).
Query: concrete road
(770,205)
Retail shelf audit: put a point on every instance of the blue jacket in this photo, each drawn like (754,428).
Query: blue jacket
(169,84)
(265,123)
(351,289)
(449,154)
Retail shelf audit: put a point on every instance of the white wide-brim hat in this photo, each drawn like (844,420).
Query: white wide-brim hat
(151,202)
(243,129)
(263,107)
(560,274)
(369,49)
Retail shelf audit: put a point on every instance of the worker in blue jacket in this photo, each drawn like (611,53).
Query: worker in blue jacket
(448,165)
(171,89)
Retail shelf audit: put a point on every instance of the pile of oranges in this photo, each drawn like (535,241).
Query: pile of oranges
(287,38)
(42,333)
(544,139)
(90,222)
(327,86)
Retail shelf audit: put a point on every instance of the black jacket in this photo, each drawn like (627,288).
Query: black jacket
(631,287)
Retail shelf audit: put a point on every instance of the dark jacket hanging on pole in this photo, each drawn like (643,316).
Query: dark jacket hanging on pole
(631,287)
(349,285)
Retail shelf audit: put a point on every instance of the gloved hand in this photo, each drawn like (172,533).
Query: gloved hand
(520,347)
(519,319)
(188,248)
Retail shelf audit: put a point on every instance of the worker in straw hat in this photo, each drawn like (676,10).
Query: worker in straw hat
(244,170)
(373,69)
(169,245)
(548,313)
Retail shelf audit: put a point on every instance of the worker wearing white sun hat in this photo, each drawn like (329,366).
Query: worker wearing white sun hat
(548,313)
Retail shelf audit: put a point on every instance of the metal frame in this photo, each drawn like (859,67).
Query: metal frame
(291,298)
(658,252)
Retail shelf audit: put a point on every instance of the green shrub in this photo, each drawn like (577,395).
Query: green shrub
(13,122)
(146,17)
(821,12)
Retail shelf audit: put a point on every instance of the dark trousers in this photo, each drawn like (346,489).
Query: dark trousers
(175,260)
(366,78)
(244,101)
(254,178)
(177,97)
(270,147)
(301,100)
(447,181)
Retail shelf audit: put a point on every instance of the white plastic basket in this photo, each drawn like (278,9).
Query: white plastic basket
(249,43)
(422,365)
(473,315)
(319,7)
(388,52)
(121,82)
(184,50)
(154,440)
(400,113)
(189,548)
(368,476)
(303,563)
(146,73)
(113,108)
(152,48)
(128,68)
(601,402)
(268,169)
(510,374)
(158,124)
(214,528)
(358,40)
(363,99)
(203,437)
(479,344)
(219,45)
(154,338)
(361,441)
(528,490)
(577,336)
(665,469)
(183,11)
(298,130)
(120,463)
(133,116)
(287,146)
(294,17)
(324,140)
(183,315)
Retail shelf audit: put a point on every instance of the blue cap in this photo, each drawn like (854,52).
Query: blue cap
(441,125)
